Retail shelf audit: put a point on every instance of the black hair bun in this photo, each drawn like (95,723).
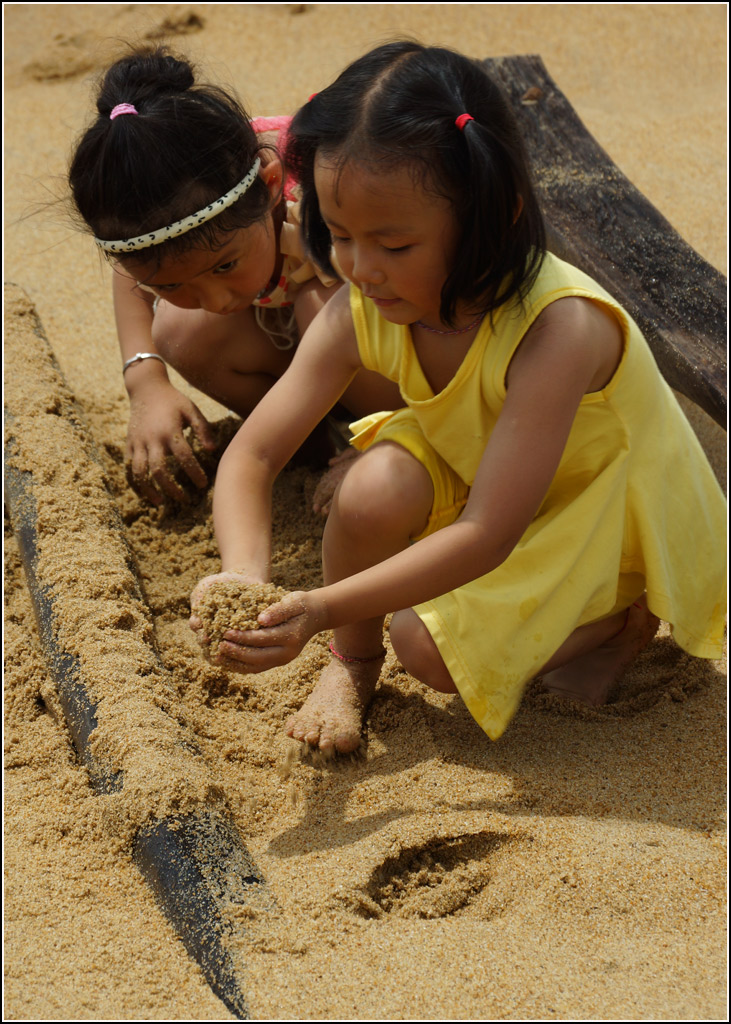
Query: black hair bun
(142,76)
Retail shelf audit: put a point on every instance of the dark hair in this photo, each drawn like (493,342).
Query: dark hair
(397,106)
(189,145)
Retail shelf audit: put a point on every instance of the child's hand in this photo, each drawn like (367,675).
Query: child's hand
(327,485)
(286,628)
(156,446)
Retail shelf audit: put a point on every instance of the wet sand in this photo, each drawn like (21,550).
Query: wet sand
(573,870)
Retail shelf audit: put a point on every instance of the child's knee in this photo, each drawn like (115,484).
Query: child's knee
(387,490)
(174,334)
(415,649)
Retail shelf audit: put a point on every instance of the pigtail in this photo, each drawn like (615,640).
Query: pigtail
(474,277)
(504,260)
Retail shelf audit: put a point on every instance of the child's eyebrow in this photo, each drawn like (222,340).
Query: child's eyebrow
(224,256)
(388,230)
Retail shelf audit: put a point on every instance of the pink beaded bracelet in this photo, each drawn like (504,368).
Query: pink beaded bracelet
(358,661)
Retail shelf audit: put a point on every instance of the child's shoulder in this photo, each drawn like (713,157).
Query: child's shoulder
(575,315)
(558,280)
(574,330)
(571,307)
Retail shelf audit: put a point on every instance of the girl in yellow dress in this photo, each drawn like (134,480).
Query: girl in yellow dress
(541,501)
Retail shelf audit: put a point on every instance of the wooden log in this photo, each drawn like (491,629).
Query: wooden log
(599,221)
(189,852)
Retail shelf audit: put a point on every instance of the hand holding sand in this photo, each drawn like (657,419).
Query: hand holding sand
(283,630)
(156,445)
(254,625)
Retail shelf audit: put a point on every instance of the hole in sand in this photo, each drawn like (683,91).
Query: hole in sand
(40,704)
(437,879)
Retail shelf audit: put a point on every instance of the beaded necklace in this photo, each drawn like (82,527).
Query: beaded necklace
(460,330)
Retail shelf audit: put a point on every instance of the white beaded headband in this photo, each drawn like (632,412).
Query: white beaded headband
(187,223)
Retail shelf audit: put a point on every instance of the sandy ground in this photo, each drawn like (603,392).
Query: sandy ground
(573,870)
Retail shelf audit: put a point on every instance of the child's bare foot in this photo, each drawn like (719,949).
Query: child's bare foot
(332,716)
(589,678)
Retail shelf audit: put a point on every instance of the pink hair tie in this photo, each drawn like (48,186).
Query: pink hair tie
(462,120)
(122,108)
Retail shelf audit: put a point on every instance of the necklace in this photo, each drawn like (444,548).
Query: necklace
(460,330)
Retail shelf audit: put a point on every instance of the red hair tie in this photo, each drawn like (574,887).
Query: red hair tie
(462,120)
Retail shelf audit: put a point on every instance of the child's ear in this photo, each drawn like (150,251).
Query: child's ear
(272,174)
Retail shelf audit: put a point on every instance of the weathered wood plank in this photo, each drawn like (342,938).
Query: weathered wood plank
(600,222)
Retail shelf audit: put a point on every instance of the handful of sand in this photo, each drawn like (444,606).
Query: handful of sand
(223,432)
(233,604)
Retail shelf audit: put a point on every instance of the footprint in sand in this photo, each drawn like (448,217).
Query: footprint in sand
(69,56)
(182,21)
(66,57)
(437,879)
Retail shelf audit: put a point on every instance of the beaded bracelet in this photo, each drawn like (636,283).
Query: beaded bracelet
(138,359)
(357,661)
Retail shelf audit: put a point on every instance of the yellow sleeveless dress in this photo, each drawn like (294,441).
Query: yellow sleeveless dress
(634,504)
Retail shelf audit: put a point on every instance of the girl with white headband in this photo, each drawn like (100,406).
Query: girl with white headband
(190,200)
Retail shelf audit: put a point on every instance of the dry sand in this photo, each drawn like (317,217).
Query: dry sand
(573,870)
(230,604)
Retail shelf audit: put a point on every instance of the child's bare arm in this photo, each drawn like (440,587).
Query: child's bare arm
(324,364)
(565,355)
(158,411)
